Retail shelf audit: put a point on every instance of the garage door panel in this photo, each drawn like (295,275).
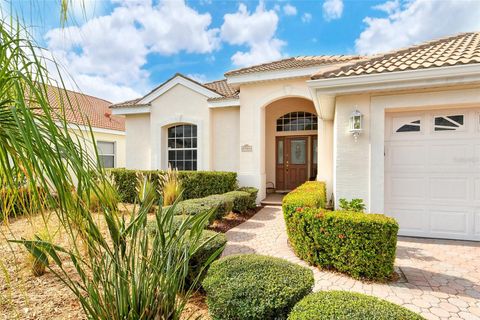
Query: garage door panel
(476,223)
(405,188)
(445,188)
(410,219)
(454,221)
(432,177)
(407,157)
(449,155)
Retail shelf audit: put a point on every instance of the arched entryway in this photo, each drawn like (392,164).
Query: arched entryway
(291,128)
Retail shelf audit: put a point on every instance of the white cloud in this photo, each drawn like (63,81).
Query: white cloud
(199,77)
(332,9)
(306,17)
(106,54)
(257,31)
(289,10)
(416,21)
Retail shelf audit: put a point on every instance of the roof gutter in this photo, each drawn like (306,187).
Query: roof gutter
(325,90)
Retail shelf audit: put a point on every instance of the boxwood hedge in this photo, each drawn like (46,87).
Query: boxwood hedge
(251,287)
(361,245)
(196,184)
(342,305)
(241,200)
(253,196)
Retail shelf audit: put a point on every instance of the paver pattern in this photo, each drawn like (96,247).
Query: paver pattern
(441,278)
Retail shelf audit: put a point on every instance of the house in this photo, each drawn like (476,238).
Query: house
(400,130)
(88,111)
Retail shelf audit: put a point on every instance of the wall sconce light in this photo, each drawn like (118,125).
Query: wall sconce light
(356,124)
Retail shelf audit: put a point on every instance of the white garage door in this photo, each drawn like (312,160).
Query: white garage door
(432,173)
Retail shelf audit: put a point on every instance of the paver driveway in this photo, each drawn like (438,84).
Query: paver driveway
(441,277)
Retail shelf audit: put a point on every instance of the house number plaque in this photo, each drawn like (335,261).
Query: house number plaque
(246,148)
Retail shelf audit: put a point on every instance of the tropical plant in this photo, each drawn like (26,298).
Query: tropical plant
(171,186)
(120,272)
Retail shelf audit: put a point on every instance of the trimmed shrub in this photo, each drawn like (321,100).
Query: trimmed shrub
(361,245)
(220,204)
(241,200)
(311,194)
(251,287)
(342,305)
(213,243)
(196,184)
(253,196)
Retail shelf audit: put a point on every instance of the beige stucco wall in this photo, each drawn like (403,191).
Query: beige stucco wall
(254,98)
(359,166)
(107,136)
(137,129)
(176,106)
(225,139)
(274,111)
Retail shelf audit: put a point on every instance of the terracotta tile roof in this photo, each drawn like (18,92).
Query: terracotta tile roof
(220,86)
(450,51)
(85,109)
(223,88)
(294,63)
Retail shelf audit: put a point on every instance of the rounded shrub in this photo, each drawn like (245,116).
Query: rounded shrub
(343,305)
(251,287)
(241,200)
(213,243)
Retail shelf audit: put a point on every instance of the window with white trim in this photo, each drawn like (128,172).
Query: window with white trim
(449,123)
(182,147)
(106,153)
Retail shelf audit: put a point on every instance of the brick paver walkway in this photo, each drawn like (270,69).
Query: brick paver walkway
(441,277)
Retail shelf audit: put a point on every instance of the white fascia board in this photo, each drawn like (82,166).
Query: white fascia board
(272,75)
(175,81)
(234,102)
(398,80)
(130,110)
(94,129)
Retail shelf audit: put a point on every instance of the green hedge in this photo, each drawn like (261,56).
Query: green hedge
(253,196)
(196,184)
(361,245)
(251,287)
(213,243)
(241,200)
(220,204)
(342,305)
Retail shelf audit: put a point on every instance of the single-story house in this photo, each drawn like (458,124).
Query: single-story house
(399,130)
(86,111)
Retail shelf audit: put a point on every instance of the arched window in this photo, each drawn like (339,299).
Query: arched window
(182,147)
(297,121)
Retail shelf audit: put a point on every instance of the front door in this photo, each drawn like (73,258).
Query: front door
(292,162)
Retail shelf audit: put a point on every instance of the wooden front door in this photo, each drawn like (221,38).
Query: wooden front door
(292,162)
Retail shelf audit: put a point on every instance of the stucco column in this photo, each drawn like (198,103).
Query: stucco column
(325,154)
(252,148)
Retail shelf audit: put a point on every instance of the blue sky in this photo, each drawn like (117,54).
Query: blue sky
(120,49)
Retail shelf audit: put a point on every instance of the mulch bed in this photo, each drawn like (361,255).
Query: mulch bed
(232,220)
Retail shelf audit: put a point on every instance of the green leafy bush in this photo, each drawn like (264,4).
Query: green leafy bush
(342,305)
(311,194)
(253,196)
(241,200)
(196,184)
(361,245)
(252,287)
(213,245)
(356,205)
(221,204)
